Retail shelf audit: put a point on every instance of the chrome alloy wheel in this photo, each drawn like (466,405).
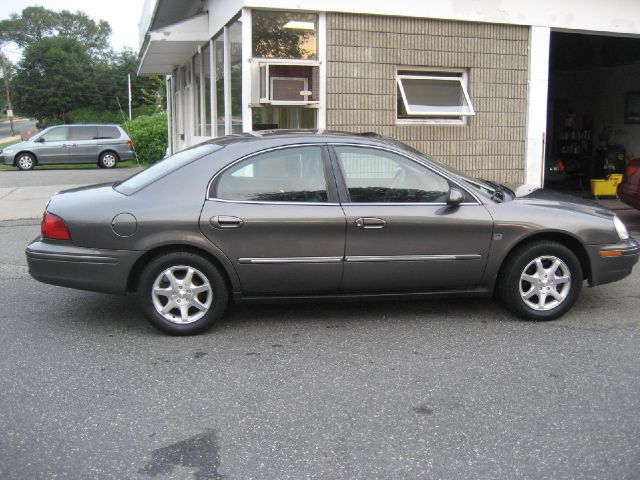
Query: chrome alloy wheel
(109,160)
(182,294)
(25,162)
(545,283)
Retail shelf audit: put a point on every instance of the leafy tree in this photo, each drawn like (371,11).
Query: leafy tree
(55,75)
(272,40)
(36,23)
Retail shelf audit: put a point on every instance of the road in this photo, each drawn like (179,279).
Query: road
(453,389)
(18,126)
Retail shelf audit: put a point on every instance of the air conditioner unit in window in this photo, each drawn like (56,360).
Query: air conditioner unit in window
(288,84)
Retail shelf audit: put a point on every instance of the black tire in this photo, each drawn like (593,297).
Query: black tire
(108,160)
(25,161)
(171,266)
(550,295)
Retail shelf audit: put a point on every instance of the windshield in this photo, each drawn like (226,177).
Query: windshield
(164,167)
(486,188)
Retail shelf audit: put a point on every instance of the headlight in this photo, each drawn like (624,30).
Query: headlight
(620,228)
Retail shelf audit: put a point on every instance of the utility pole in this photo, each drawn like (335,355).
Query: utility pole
(5,74)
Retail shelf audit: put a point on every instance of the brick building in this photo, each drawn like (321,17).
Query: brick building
(465,81)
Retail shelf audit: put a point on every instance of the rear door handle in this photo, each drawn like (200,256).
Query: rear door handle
(370,223)
(226,221)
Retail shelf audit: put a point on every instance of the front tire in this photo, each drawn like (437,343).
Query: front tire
(108,160)
(182,293)
(540,281)
(25,161)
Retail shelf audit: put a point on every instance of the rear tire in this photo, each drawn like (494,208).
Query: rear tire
(25,161)
(108,160)
(540,281)
(182,293)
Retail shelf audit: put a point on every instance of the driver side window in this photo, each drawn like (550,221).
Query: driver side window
(57,134)
(379,176)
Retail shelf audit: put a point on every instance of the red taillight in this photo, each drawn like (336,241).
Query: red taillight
(129,143)
(631,169)
(54,227)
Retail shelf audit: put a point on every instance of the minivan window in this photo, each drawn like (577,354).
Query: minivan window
(164,167)
(108,132)
(57,134)
(82,133)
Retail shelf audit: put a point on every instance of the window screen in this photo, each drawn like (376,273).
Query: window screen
(380,176)
(287,175)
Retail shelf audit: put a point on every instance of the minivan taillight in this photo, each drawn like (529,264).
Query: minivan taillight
(631,169)
(54,227)
(129,143)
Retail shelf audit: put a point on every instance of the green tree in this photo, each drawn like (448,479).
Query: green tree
(55,75)
(36,23)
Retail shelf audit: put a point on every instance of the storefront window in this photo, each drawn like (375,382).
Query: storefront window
(206,79)
(218,46)
(235,51)
(284,35)
(274,117)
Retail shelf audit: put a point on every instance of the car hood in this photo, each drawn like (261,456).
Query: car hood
(564,202)
(15,146)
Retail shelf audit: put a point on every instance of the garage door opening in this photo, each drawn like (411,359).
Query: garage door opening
(593,114)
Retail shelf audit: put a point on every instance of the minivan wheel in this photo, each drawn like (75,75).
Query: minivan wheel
(108,160)
(25,161)
(540,281)
(182,293)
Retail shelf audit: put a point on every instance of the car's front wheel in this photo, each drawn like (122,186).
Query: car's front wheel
(108,160)
(182,293)
(540,281)
(25,161)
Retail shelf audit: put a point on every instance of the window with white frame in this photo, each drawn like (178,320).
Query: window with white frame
(433,96)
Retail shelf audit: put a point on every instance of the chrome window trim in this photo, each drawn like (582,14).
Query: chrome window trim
(411,158)
(264,202)
(280,147)
(408,258)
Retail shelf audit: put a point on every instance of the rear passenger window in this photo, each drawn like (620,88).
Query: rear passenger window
(82,133)
(108,132)
(286,175)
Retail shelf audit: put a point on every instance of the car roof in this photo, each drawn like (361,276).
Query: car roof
(316,136)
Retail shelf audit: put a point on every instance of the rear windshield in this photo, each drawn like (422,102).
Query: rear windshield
(164,167)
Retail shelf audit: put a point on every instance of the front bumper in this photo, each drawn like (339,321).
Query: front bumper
(607,265)
(97,270)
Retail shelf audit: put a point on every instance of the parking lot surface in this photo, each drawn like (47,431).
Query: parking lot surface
(447,389)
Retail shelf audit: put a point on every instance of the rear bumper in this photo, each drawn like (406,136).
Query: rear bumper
(607,269)
(58,263)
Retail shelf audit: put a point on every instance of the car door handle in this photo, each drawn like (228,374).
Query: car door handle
(369,223)
(225,221)
(69,144)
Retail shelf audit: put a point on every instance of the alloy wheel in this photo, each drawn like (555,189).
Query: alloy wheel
(545,283)
(182,294)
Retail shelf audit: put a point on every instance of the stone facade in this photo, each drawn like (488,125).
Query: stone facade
(364,51)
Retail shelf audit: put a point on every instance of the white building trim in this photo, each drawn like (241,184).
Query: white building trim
(247,117)
(537,86)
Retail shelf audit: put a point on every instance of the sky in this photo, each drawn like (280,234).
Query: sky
(122,15)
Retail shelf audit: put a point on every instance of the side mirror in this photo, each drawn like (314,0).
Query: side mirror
(455,197)
(40,140)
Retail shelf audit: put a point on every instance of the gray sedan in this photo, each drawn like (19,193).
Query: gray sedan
(308,215)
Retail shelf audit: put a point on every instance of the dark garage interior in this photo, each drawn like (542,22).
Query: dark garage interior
(593,116)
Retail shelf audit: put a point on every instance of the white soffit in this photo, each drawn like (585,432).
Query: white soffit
(171,46)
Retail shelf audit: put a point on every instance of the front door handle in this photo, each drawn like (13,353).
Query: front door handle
(226,221)
(370,223)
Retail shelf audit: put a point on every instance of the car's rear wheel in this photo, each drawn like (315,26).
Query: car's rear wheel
(540,281)
(108,160)
(25,161)
(182,293)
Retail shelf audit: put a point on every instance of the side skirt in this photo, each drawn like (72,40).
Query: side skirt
(476,292)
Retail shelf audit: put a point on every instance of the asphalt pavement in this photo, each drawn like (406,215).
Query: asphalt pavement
(454,389)
(19,125)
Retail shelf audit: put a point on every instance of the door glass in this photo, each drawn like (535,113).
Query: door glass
(82,133)
(108,132)
(57,134)
(373,175)
(287,175)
